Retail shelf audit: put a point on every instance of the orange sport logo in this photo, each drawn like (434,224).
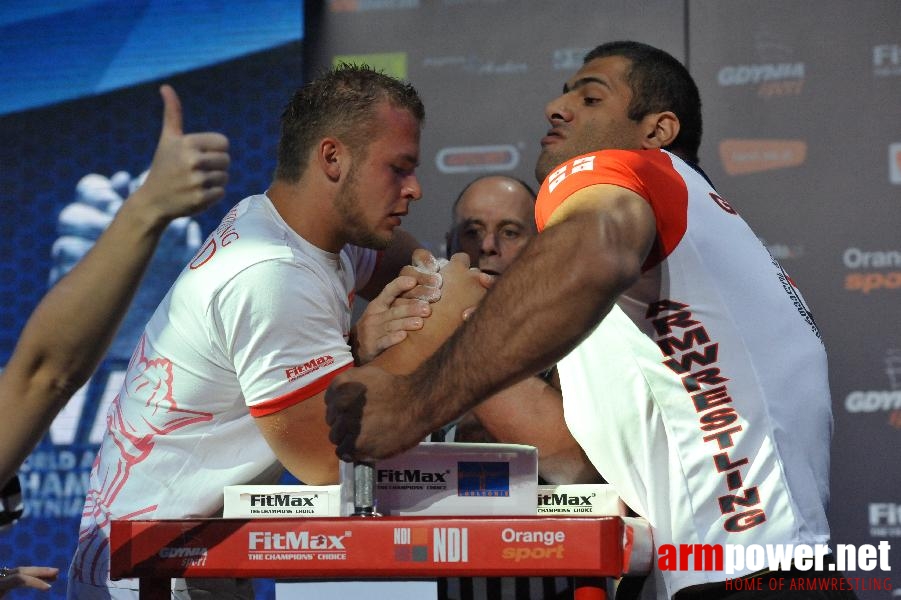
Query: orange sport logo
(741,157)
(872,270)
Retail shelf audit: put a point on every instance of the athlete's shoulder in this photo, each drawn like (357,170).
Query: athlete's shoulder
(249,233)
(611,165)
(626,168)
(642,155)
(640,159)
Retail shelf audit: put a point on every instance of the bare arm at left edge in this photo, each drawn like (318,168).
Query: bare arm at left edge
(71,328)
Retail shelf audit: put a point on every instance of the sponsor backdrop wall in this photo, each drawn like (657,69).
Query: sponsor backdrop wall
(802,136)
(802,105)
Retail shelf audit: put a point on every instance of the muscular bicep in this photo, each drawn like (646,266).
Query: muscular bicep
(531,412)
(625,222)
(298,435)
(284,363)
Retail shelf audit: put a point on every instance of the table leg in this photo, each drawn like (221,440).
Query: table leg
(154,588)
(590,588)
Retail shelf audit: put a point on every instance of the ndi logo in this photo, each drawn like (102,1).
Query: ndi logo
(450,544)
(411,544)
(483,479)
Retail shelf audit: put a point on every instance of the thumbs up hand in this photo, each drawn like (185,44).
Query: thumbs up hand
(189,171)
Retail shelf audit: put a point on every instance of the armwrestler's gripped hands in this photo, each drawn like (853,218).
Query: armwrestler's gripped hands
(401,307)
(367,408)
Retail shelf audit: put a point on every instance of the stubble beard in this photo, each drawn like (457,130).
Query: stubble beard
(551,158)
(547,160)
(356,231)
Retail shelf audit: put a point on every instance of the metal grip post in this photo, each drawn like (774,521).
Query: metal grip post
(364,490)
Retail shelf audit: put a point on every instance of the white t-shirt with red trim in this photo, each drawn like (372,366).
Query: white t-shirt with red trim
(704,397)
(258,321)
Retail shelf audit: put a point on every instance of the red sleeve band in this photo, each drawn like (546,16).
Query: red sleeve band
(295,396)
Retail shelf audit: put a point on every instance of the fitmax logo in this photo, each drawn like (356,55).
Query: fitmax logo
(280,500)
(298,371)
(564,500)
(411,476)
(295,540)
(885,514)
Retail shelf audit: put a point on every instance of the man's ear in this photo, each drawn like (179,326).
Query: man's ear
(661,129)
(332,157)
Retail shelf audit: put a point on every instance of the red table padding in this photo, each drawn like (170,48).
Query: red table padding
(379,547)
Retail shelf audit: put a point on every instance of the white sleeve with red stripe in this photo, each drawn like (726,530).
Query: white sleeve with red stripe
(285,345)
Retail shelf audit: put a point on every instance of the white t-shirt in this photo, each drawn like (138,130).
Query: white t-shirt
(258,321)
(704,397)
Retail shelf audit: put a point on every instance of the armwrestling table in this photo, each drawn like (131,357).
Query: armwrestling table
(587,548)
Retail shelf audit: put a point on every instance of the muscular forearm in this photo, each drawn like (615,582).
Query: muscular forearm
(397,255)
(559,288)
(299,435)
(70,330)
(562,285)
(461,290)
(531,412)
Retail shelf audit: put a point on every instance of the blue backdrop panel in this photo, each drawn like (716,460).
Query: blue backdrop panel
(237,86)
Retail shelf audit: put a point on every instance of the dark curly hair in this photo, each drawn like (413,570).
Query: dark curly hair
(659,82)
